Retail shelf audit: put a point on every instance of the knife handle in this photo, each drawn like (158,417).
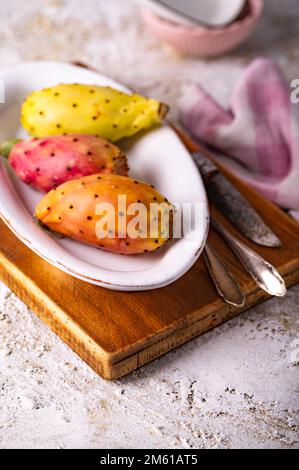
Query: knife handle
(205,165)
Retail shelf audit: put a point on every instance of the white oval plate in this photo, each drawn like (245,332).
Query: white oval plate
(157,157)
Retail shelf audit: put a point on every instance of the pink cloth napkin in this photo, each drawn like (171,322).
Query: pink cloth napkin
(259,133)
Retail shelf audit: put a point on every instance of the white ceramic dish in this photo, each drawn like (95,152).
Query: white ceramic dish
(157,157)
(210,14)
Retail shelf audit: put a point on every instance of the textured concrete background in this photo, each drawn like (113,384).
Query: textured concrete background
(236,386)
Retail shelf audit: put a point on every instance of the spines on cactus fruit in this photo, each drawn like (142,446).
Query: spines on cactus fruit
(47,162)
(89,109)
(74,209)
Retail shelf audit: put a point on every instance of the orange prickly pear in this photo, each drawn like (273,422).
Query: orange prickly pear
(89,109)
(100,210)
(47,162)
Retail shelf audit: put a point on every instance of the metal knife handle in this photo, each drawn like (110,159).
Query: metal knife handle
(226,286)
(205,166)
(231,203)
(264,274)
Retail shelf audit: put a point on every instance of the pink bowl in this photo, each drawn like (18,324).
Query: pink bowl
(204,42)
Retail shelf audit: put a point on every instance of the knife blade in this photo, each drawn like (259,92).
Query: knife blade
(233,205)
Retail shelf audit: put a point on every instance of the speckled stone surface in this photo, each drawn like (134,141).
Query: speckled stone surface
(236,386)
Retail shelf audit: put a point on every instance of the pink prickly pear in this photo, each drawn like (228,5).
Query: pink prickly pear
(47,162)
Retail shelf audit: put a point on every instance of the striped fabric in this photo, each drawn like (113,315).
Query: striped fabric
(259,133)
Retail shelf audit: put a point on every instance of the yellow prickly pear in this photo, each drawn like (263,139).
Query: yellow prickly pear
(89,109)
(77,208)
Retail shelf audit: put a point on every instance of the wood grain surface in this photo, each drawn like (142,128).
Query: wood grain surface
(116,332)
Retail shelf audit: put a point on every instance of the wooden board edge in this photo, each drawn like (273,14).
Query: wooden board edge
(54,317)
(111,366)
(191,328)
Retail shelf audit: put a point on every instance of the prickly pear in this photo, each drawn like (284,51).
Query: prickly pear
(48,162)
(100,210)
(89,109)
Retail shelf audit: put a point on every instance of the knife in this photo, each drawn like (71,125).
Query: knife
(233,205)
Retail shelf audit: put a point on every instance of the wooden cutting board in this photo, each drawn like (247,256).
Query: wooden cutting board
(116,332)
